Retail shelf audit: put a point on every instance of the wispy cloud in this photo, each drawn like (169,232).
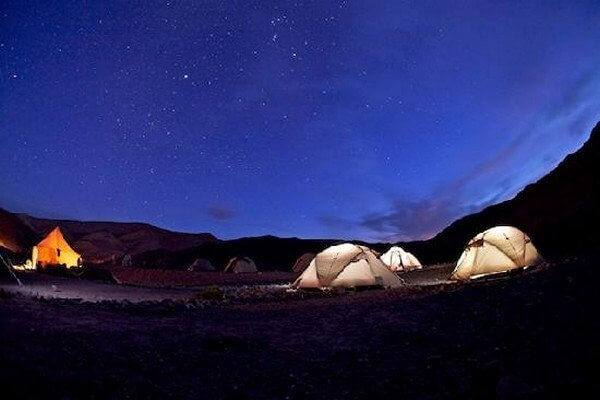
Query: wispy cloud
(501,175)
(221,212)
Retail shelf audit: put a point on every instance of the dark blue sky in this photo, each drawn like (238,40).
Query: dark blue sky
(372,120)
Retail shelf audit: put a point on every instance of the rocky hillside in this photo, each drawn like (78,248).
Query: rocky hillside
(15,235)
(104,241)
(560,212)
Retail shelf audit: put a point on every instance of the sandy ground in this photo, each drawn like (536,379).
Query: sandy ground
(531,336)
(60,287)
(49,286)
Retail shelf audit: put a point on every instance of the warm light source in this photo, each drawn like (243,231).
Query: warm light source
(26,266)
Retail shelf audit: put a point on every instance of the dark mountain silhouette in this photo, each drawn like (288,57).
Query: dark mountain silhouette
(560,212)
(268,252)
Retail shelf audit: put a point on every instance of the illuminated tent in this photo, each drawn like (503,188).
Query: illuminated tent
(54,250)
(201,265)
(346,265)
(499,249)
(240,265)
(399,260)
(303,262)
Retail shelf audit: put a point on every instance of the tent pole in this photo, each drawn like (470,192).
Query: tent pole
(8,266)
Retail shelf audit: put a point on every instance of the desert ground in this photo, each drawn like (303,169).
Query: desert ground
(532,335)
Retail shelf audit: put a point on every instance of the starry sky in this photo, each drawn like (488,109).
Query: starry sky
(378,120)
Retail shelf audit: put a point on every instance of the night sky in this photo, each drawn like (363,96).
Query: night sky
(367,120)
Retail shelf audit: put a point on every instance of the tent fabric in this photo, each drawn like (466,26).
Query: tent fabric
(499,249)
(397,259)
(346,265)
(239,265)
(127,261)
(54,250)
(201,264)
(303,262)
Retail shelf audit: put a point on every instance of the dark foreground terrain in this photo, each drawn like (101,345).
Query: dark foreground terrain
(530,336)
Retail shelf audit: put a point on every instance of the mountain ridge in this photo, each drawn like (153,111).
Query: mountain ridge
(103,241)
(558,212)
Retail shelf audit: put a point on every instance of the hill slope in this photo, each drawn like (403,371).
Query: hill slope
(103,241)
(268,252)
(15,235)
(560,211)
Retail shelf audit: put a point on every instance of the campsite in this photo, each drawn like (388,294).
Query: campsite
(154,313)
(381,341)
(291,199)
(499,320)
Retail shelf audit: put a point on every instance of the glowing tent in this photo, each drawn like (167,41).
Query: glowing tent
(346,265)
(240,265)
(499,249)
(303,262)
(54,250)
(399,260)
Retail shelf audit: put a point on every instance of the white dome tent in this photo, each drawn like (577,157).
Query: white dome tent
(499,249)
(397,259)
(346,266)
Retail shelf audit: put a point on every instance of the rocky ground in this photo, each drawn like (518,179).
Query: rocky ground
(528,336)
(171,278)
(136,288)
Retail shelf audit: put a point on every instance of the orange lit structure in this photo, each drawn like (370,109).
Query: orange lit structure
(54,250)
